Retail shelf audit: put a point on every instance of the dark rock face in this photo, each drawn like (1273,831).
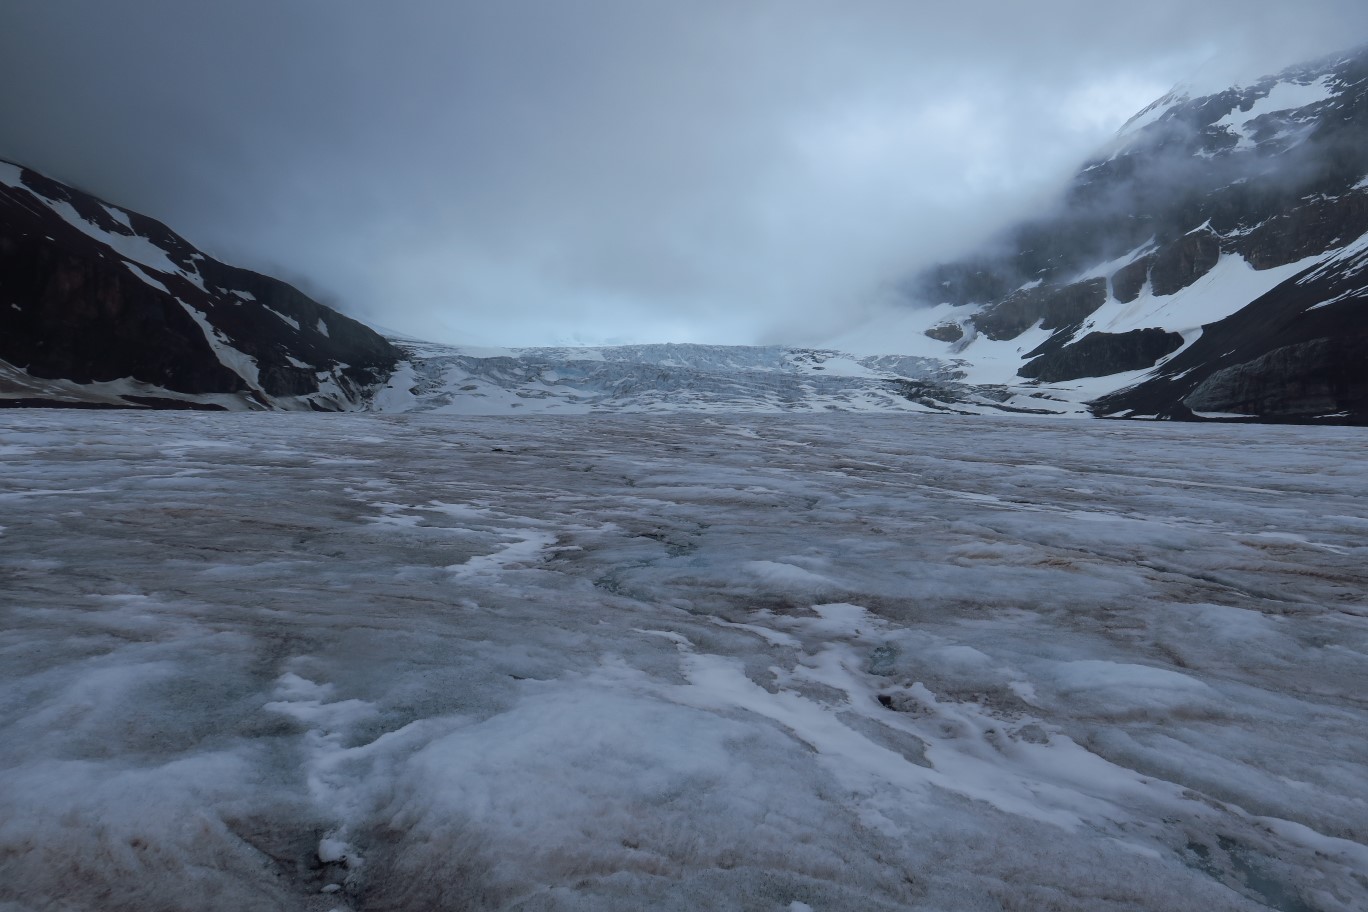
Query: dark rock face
(946,332)
(1130,279)
(1100,354)
(979,280)
(1170,269)
(1179,263)
(67,314)
(958,398)
(1318,225)
(1055,307)
(1290,381)
(104,295)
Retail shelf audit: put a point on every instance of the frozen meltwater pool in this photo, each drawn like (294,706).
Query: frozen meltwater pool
(317,662)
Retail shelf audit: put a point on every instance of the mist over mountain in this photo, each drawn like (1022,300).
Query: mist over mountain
(1208,263)
(532,173)
(1220,238)
(1243,159)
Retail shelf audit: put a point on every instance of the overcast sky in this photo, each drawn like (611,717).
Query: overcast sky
(523,173)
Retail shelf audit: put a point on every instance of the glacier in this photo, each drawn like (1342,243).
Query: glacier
(781,661)
(667,378)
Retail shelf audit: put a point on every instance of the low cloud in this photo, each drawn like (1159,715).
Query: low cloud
(536,172)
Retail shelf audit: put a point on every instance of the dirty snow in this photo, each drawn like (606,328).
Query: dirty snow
(316,662)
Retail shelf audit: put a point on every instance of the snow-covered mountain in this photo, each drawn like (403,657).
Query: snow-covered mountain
(1212,262)
(101,306)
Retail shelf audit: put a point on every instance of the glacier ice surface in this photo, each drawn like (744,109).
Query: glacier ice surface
(679,662)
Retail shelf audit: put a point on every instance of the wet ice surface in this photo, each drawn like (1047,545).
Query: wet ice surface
(420,662)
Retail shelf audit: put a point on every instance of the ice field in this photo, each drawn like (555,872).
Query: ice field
(422,662)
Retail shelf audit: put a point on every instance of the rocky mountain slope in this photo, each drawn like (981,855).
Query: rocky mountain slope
(101,306)
(1212,262)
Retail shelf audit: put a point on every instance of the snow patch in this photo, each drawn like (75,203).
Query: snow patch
(133,268)
(788,576)
(1230,285)
(526,548)
(133,247)
(242,364)
(119,216)
(291,321)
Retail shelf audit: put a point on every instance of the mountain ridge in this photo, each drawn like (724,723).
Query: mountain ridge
(1242,194)
(103,306)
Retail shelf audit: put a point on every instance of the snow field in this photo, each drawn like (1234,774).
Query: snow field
(767,662)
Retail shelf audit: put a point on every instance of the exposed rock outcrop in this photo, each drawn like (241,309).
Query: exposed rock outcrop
(1291,381)
(1179,263)
(1101,354)
(1317,225)
(946,332)
(1054,307)
(1131,278)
